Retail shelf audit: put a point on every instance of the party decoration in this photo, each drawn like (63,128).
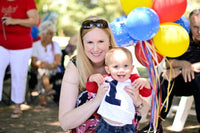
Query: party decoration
(184,22)
(142,23)
(120,32)
(34,32)
(129,5)
(172,40)
(151,59)
(169,10)
(146,54)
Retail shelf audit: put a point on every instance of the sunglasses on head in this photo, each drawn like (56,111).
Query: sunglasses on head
(91,23)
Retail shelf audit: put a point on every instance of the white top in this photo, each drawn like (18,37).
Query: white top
(123,112)
(39,51)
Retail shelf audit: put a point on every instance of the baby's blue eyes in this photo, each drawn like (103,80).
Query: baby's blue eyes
(125,66)
(115,66)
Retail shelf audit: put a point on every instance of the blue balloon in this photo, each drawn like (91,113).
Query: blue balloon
(120,33)
(142,23)
(34,32)
(184,22)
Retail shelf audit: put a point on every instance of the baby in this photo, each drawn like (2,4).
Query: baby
(117,107)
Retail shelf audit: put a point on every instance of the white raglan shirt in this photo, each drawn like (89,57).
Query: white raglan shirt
(123,113)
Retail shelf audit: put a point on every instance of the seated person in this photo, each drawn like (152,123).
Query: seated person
(119,105)
(46,56)
(185,76)
(69,49)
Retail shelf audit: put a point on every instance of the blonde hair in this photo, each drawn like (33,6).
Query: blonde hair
(84,65)
(109,54)
(45,26)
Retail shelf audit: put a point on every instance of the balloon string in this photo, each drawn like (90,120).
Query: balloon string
(151,58)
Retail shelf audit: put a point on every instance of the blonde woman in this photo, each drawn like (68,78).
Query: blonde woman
(95,39)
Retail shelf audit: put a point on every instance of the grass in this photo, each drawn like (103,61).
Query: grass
(143,72)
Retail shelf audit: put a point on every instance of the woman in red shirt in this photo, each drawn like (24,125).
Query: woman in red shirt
(17,18)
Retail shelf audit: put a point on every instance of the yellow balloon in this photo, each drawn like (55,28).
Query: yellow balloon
(171,40)
(129,5)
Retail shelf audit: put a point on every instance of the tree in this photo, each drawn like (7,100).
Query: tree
(72,12)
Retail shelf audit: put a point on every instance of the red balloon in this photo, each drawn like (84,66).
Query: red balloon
(169,10)
(141,49)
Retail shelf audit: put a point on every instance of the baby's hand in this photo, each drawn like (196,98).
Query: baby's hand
(98,78)
(141,83)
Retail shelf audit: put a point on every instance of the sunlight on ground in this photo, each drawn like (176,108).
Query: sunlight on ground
(53,123)
(185,127)
(23,107)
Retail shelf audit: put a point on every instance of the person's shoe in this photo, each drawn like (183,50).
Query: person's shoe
(147,130)
(17,113)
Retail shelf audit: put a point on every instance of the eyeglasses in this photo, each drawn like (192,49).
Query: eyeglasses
(91,23)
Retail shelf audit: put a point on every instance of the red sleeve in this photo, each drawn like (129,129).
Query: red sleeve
(145,92)
(91,86)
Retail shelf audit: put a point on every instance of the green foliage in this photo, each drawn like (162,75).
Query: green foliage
(72,12)
(143,72)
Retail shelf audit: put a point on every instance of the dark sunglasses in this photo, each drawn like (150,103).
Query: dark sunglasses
(91,23)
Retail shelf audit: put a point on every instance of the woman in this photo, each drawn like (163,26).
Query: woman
(46,56)
(95,39)
(17,18)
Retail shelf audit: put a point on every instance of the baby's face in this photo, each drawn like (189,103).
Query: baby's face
(120,66)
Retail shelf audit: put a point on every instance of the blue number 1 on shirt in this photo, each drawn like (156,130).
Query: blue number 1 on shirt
(112,93)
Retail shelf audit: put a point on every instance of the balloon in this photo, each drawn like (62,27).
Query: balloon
(169,10)
(120,32)
(172,40)
(141,49)
(183,21)
(142,23)
(129,5)
(34,32)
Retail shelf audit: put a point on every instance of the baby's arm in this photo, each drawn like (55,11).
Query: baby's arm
(93,82)
(141,83)
(98,78)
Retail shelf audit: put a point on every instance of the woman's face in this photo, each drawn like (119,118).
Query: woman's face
(47,37)
(96,43)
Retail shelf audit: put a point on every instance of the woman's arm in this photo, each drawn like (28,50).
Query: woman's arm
(33,19)
(56,62)
(69,116)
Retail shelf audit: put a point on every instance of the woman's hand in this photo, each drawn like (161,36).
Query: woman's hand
(132,92)
(140,103)
(33,19)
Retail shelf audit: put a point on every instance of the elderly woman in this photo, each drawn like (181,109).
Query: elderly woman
(46,56)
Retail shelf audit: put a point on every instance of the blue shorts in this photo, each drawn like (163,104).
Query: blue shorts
(104,127)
